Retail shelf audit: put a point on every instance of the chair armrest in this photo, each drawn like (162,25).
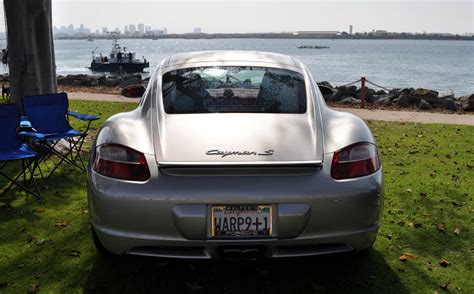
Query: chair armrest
(84,117)
(25,123)
(37,136)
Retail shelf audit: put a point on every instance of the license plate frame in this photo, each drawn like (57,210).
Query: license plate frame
(259,211)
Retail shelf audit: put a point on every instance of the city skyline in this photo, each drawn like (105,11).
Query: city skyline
(141,29)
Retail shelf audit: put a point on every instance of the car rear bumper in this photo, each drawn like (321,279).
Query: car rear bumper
(119,243)
(168,215)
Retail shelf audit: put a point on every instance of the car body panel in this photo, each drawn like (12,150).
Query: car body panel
(168,215)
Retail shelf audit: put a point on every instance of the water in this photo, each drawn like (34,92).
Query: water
(444,66)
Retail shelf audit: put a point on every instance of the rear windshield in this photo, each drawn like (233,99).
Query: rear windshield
(233,89)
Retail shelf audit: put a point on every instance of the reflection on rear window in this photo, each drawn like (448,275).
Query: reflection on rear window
(233,89)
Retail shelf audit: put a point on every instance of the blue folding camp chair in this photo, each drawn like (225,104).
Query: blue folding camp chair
(13,149)
(48,117)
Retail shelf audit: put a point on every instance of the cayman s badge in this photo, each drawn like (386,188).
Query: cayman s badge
(217,152)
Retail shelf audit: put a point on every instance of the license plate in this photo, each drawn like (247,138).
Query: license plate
(241,221)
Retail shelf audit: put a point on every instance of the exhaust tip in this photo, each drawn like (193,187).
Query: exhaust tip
(240,254)
(232,254)
(252,254)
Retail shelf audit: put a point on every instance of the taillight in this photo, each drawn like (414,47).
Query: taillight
(121,162)
(356,160)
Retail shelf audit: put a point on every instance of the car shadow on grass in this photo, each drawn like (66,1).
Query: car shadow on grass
(348,273)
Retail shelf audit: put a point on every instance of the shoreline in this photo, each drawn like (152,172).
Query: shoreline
(400,115)
(407,99)
(115,91)
(300,36)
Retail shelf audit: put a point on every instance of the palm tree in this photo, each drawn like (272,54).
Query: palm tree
(30,48)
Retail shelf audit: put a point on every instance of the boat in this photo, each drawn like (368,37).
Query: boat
(119,59)
(312,47)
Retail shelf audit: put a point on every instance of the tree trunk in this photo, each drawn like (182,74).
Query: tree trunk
(30,48)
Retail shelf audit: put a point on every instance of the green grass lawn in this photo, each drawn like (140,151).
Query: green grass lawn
(428,216)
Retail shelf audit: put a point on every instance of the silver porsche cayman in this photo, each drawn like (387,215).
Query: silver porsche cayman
(234,155)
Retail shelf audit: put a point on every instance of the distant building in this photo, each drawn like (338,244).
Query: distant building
(317,33)
(141,28)
(197,31)
(165,31)
(350,29)
(132,28)
(104,30)
(157,32)
(125,29)
(380,32)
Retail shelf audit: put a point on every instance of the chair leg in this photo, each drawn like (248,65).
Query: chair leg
(78,151)
(82,139)
(32,175)
(64,157)
(14,181)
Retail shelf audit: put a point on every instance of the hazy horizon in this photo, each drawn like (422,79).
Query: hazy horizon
(269,16)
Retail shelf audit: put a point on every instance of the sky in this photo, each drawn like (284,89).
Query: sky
(230,16)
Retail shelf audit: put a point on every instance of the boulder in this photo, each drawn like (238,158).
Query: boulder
(326,84)
(137,76)
(102,80)
(380,92)
(76,83)
(419,94)
(394,93)
(336,96)
(466,103)
(130,82)
(93,82)
(403,100)
(350,101)
(84,79)
(440,102)
(325,90)
(348,90)
(65,80)
(408,91)
(61,80)
(112,82)
(449,103)
(425,93)
(425,105)
(383,100)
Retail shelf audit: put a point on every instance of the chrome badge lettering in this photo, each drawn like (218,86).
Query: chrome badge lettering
(223,154)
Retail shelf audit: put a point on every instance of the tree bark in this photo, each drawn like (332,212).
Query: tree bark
(30,48)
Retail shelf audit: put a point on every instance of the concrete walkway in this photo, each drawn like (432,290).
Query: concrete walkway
(412,116)
(100,97)
(384,115)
